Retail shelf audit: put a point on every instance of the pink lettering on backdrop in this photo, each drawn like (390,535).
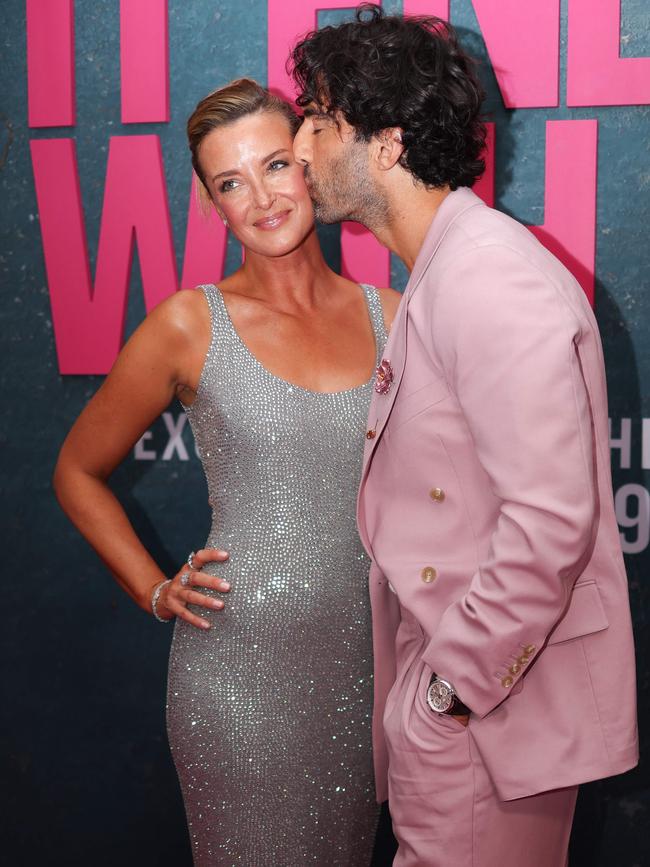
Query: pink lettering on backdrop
(89,321)
(50,63)
(144,61)
(523,40)
(439,8)
(205,244)
(569,228)
(596,73)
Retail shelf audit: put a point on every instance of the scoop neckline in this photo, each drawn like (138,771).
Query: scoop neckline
(280,379)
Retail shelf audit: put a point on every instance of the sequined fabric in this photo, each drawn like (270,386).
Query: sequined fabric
(269,712)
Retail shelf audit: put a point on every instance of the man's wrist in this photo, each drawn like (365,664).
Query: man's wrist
(442,698)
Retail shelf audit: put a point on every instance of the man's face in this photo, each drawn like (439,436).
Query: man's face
(337,171)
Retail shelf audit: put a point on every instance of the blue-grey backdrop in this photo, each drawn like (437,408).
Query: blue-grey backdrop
(86,777)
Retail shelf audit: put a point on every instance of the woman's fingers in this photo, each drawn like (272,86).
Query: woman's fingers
(208,555)
(181,592)
(202,558)
(183,589)
(194,598)
(200,579)
(180,609)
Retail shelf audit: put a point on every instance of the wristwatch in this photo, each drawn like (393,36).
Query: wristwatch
(442,698)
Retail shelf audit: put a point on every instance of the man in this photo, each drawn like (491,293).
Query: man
(504,662)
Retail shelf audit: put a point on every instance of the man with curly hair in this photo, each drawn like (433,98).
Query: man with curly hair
(504,661)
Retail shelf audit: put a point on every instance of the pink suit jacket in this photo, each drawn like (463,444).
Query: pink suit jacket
(486,507)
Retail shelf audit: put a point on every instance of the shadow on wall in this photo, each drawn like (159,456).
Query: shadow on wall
(610,825)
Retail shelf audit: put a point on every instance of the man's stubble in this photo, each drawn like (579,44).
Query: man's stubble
(346,191)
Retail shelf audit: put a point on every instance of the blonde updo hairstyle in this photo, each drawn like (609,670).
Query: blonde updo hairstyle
(224,106)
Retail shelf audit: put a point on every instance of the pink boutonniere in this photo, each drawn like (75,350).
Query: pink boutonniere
(383,377)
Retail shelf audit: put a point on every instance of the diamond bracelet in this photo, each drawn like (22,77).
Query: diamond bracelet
(154,600)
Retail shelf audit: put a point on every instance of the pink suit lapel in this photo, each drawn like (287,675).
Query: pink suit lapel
(395,350)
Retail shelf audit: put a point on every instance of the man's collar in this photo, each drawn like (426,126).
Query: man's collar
(450,208)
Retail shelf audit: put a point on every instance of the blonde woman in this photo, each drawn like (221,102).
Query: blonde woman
(270,684)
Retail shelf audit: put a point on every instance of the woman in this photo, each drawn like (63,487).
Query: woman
(269,695)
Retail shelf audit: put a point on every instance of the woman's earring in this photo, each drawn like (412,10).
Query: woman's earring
(225,222)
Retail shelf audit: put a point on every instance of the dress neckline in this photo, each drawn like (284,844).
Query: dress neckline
(285,382)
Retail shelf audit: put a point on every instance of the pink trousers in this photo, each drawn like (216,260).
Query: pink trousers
(445,810)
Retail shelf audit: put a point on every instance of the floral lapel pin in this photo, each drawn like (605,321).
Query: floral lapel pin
(383,377)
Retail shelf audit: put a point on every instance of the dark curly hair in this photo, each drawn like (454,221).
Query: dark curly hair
(384,71)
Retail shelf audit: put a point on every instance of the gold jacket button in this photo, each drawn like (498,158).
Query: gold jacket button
(515,668)
(428,574)
(529,649)
(371,434)
(507,682)
(437,495)
(522,660)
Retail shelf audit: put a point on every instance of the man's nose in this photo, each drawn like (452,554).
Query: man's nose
(300,149)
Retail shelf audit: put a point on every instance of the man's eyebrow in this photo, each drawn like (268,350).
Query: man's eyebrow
(315,112)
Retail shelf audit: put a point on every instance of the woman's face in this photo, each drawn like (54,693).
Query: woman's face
(256,184)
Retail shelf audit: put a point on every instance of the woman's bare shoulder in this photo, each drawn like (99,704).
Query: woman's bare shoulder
(184,312)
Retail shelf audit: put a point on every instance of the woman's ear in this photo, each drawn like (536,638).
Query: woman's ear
(388,148)
(220,213)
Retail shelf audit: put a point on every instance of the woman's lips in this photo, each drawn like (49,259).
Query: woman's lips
(272,222)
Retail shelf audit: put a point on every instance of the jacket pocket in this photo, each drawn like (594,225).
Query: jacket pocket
(584,615)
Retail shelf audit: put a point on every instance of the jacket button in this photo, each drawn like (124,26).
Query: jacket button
(428,574)
(371,434)
(437,495)
(522,660)
(529,649)
(507,682)
(515,668)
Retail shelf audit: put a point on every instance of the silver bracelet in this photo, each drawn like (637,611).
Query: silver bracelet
(154,600)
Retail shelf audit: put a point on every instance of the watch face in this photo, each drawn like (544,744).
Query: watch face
(440,696)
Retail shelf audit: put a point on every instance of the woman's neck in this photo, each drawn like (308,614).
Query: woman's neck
(300,279)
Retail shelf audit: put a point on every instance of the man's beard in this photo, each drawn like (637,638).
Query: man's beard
(345,191)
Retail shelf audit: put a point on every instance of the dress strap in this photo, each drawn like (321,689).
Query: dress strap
(213,297)
(223,331)
(376,313)
(223,339)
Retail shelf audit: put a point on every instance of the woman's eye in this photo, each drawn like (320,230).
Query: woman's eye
(228,185)
(278,164)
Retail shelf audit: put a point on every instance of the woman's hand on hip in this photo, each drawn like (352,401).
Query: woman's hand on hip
(183,590)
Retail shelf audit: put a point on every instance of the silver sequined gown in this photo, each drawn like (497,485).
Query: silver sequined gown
(269,711)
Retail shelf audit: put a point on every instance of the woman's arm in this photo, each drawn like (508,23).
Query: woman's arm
(162,359)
